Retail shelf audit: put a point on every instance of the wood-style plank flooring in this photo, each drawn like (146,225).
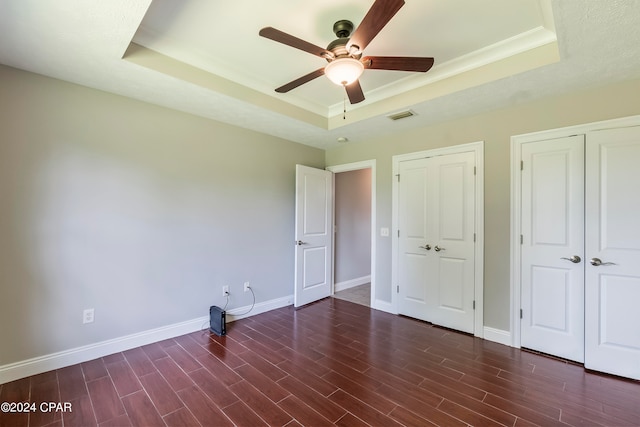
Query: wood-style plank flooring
(330,363)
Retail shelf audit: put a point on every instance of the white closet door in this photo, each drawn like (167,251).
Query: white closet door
(552,272)
(452,228)
(612,288)
(413,265)
(436,245)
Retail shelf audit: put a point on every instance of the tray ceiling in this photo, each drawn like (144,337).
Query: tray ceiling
(221,38)
(206,58)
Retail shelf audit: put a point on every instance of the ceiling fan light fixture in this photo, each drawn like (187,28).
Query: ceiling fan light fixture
(344,71)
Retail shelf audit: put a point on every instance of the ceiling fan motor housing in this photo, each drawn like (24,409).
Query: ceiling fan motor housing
(343,28)
(338,47)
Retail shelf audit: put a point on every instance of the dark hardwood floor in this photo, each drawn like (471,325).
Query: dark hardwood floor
(330,363)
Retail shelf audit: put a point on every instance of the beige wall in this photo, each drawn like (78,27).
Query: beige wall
(495,128)
(138,211)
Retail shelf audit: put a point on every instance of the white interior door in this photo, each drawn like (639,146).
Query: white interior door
(452,203)
(313,234)
(612,288)
(436,243)
(552,254)
(413,266)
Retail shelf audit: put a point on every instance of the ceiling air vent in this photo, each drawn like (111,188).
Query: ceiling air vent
(401,115)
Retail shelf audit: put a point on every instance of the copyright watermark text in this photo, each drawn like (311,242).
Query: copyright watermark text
(35,407)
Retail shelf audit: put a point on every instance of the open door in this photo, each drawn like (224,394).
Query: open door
(313,234)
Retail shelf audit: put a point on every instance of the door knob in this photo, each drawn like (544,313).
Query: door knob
(438,248)
(300,242)
(573,258)
(597,262)
(427,247)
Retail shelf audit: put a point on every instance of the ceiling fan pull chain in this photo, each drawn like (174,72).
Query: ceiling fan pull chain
(344,103)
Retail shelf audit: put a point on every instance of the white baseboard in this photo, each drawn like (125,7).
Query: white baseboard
(384,306)
(38,365)
(341,286)
(261,307)
(497,335)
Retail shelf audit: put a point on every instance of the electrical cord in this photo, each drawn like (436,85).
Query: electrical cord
(252,305)
(205,328)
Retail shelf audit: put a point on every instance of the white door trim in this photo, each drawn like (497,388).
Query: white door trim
(478,149)
(516,201)
(347,167)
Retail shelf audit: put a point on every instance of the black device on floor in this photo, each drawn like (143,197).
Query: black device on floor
(217,320)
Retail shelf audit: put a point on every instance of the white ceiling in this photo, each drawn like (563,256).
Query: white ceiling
(205,57)
(222,38)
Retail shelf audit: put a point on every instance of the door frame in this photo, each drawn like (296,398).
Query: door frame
(516,202)
(478,149)
(348,167)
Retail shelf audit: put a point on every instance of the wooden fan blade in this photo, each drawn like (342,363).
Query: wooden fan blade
(289,40)
(300,81)
(354,92)
(376,18)
(398,63)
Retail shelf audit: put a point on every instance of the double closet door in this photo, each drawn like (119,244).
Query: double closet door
(580,249)
(436,245)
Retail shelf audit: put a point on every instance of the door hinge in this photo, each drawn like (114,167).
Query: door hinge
(474,304)
(521,239)
(398,232)
(474,237)
(398,176)
(474,170)
(521,313)
(397,289)
(521,165)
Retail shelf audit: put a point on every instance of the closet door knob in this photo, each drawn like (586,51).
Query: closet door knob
(598,262)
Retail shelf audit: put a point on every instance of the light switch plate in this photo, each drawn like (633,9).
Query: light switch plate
(384,232)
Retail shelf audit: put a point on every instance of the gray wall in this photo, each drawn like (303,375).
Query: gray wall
(495,128)
(353,221)
(138,211)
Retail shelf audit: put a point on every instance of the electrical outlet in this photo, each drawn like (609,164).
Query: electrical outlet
(247,285)
(87,315)
(225,291)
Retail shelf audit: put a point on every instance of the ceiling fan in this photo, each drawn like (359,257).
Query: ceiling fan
(344,54)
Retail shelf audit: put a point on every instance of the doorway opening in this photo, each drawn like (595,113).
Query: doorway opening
(354,236)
